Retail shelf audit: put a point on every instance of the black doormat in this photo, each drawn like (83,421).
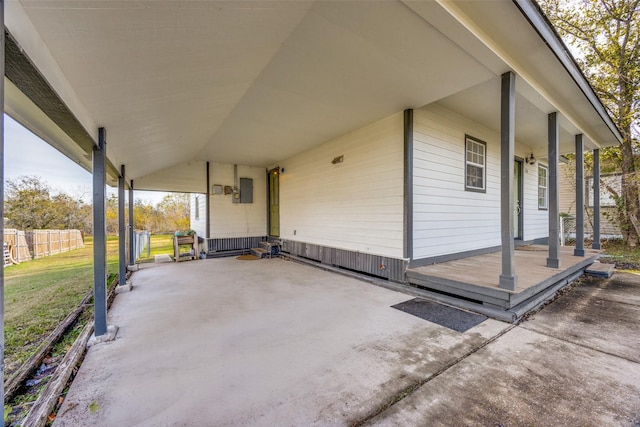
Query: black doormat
(443,315)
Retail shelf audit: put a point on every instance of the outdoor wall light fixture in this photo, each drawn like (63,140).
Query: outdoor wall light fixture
(337,160)
(530,159)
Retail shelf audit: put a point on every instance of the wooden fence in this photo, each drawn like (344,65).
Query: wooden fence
(50,242)
(17,245)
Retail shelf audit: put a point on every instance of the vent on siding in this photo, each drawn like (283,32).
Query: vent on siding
(375,265)
(234,243)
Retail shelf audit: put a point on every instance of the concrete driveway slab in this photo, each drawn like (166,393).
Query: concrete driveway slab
(602,314)
(270,342)
(524,379)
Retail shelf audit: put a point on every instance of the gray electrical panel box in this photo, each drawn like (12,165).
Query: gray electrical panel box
(246,190)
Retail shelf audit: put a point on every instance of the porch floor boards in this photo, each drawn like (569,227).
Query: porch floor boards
(477,277)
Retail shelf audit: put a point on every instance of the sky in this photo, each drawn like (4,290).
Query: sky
(27,154)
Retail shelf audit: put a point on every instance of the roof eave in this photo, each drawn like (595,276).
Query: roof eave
(541,24)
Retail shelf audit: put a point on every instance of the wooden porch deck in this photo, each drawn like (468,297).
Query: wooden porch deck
(476,278)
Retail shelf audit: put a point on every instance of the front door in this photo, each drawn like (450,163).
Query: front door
(274,202)
(517,199)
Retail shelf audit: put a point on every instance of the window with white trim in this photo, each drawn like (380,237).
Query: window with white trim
(475,164)
(543,193)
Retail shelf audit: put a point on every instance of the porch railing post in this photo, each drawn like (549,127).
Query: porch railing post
(508,278)
(579,250)
(553,260)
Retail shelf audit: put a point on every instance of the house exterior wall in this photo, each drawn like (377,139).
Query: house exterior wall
(355,205)
(536,221)
(198,222)
(189,177)
(230,219)
(608,227)
(567,189)
(446,218)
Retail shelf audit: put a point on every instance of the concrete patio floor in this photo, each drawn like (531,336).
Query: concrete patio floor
(272,342)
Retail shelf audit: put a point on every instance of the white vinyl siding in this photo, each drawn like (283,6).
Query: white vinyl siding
(189,177)
(355,205)
(446,218)
(198,224)
(230,219)
(536,221)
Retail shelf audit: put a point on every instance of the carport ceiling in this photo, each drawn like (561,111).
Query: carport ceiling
(248,83)
(254,83)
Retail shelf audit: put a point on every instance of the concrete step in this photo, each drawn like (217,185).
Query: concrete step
(265,245)
(600,269)
(259,252)
(272,248)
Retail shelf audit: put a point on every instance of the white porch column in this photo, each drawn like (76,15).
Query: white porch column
(508,278)
(553,260)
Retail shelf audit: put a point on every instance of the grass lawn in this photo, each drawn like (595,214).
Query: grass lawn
(40,293)
(621,254)
(161,244)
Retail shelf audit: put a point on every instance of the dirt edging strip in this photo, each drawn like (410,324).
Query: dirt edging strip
(39,413)
(17,379)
